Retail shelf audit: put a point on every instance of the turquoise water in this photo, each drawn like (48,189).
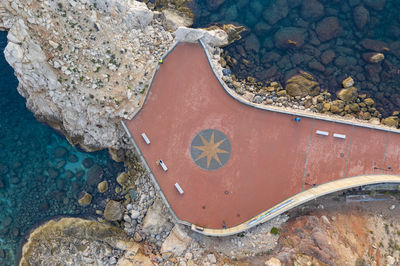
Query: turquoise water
(327,38)
(41,174)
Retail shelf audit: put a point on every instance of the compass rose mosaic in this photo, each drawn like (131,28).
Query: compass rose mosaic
(210,149)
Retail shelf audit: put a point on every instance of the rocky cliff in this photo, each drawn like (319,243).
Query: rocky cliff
(84,65)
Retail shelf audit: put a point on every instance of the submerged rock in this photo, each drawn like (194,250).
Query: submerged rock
(361,17)
(328,28)
(290,37)
(94,175)
(311,10)
(85,200)
(60,152)
(102,186)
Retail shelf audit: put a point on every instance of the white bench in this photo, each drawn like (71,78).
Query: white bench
(164,167)
(178,187)
(146,139)
(339,136)
(322,133)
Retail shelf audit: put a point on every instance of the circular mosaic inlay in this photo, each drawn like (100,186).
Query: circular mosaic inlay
(210,149)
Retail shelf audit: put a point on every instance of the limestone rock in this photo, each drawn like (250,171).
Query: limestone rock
(74,241)
(348,94)
(113,211)
(56,73)
(156,219)
(391,121)
(85,200)
(177,241)
(102,186)
(174,19)
(376,58)
(215,37)
(369,101)
(273,262)
(302,85)
(348,82)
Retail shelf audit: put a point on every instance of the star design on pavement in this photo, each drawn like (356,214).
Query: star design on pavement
(210,149)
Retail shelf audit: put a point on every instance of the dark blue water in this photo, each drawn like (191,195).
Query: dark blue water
(41,174)
(266,53)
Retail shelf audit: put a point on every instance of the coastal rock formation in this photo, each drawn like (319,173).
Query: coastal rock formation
(83,66)
(75,241)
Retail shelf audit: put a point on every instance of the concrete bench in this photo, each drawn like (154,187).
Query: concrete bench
(178,187)
(164,167)
(339,136)
(146,139)
(322,133)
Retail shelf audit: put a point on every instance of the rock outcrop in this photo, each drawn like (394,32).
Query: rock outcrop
(83,66)
(75,241)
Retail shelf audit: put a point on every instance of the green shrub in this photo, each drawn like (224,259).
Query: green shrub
(274,230)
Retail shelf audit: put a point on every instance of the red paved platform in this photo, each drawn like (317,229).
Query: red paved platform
(272,156)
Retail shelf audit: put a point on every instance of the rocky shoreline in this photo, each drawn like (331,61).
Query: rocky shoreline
(83,66)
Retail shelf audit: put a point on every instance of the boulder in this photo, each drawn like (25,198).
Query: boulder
(328,28)
(375,4)
(102,186)
(391,121)
(302,85)
(311,10)
(113,211)
(374,45)
(172,19)
(348,94)
(273,262)
(156,219)
(262,28)
(348,82)
(177,241)
(214,37)
(60,152)
(290,37)
(360,17)
(275,12)
(85,200)
(369,102)
(94,175)
(214,4)
(251,43)
(75,241)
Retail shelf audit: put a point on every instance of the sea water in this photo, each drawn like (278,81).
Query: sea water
(330,39)
(41,174)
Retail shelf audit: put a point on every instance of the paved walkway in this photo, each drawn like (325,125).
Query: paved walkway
(235,162)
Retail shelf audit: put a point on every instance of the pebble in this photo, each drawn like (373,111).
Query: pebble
(135,214)
(211,258)
(127,218)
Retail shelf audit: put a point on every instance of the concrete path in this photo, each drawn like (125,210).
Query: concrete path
(235,163)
